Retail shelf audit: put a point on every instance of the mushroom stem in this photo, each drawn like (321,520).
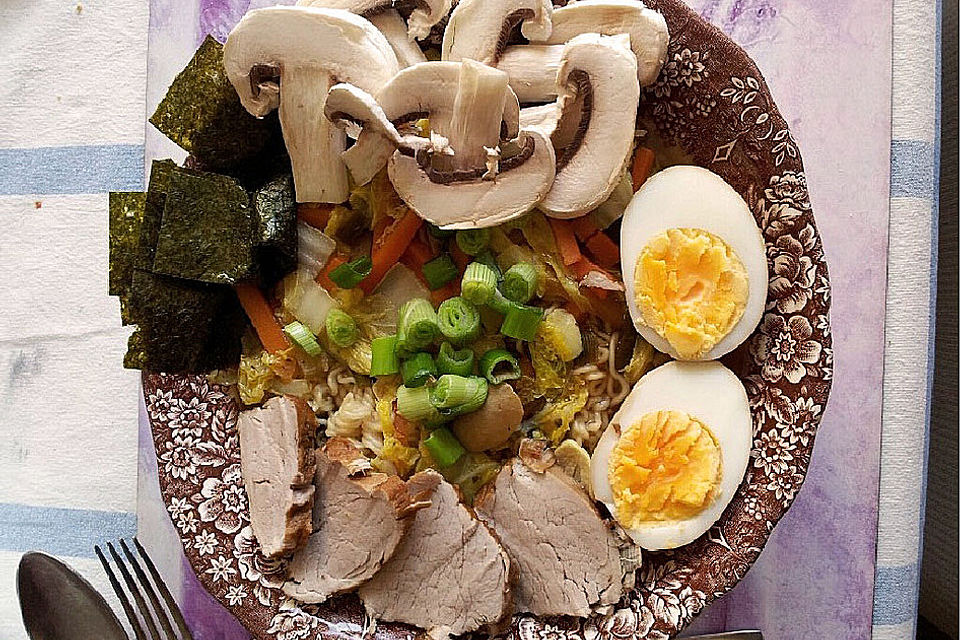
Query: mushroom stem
(392,26)
(533,70)
(475,124)
(313,142)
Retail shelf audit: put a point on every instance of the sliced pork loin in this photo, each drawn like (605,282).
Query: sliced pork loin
(566,558)
(448,576)
(277,462)
(357,523)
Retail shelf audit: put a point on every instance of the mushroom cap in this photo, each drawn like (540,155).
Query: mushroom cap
(479,203)
(426,14)
(593,164)
(478,28)
(342,44)
(647,29)
(346,102)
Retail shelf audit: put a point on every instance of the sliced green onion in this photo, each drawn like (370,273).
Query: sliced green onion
(455,395)
(418,370)
(473,241)
(499,365)
(349,274)
(486,257)
(499,303)
(479,283)
(416,326)
(456,362)
(341,328)
(383,360)
(520,282)
(437,232)
(439,271)
(458,320)
(521,322)
(414,404)
(444,447)
(303,338)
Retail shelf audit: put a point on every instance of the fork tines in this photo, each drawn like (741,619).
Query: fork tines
(144,593)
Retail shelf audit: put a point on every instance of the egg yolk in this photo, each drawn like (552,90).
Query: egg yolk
(691,288)
(666,466)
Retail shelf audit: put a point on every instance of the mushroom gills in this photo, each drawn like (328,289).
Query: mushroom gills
(593,139)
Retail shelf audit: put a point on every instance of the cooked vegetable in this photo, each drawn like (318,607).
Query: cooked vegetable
(439,271)
(439,233)
(315,214)
(261,317)
(458,321)
(456,362)
(642,165)
(341,328)
(499,365)
(383,356)
(400,284)
(642,360)
(520,282)
(415,404)
(557,415)
(418,369)
(417,326)
(455,395)
(447,291)
(491,426)
(473,241)
(443,447)
(254,376)
(324,277)
(459,257)
(303,338)
(479,283)
(566,241)
(389,246)
(521,322)
(470,473)
(560,330)
(202,113)
(306,300)
(314,249)
(349,274)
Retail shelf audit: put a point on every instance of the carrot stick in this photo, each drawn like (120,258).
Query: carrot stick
(642,166)
(583,228)
(324,276)
(448,290)
(261,317)
(315,214)
(604,250)
(459,257)
(389,246)
(566,241)
(417,254)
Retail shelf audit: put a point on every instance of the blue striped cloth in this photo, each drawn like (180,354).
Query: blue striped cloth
(72,84)
(910,315)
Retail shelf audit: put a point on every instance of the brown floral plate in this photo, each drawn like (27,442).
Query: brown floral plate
(710,107)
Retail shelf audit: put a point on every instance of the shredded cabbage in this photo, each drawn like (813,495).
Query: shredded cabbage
(557,415)
(375,317)
(561,332)
(254,376)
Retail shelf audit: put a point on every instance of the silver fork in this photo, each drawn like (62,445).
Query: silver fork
(138,585)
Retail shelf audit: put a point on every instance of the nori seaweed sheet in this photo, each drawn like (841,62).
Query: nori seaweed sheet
(202,113)
(276,207)
(160,171)
(182,325)
(208,231)
(126,217)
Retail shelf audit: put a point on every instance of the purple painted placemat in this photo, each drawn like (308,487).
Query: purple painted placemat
(828,66)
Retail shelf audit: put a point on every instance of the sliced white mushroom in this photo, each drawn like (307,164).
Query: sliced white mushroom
(427,14)
(392,26)
(478,29)
(426,90)
(530,67)
(308,50)
(477,112)
(349,104)
(479,203)
(542,117)
(599,94)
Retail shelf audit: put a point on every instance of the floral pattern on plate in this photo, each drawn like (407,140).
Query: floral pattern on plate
(712,103)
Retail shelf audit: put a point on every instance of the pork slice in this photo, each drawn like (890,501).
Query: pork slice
(357,524)
(449,575)
(567,558)
(277,462)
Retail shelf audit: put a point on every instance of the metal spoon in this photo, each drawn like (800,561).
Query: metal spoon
(58,604)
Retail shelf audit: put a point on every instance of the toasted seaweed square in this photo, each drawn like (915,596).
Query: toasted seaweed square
(276,207)
(126,218)
(208,230)
(155,199)
(202,113)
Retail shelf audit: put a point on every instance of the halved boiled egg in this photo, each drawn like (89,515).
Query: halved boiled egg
(694,264)
(674,453)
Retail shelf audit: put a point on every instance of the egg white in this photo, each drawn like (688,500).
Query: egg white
(707,391)
(693,197)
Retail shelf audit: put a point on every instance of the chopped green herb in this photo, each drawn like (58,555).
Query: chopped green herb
(521,322)
(458,363)
(439,271)
(350,274)
(418,369)
(499,365)
(383,356)
(520,282)
(473,241)
(444,447)
(458,320)
(341,328)
(303,338)
(479,283)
